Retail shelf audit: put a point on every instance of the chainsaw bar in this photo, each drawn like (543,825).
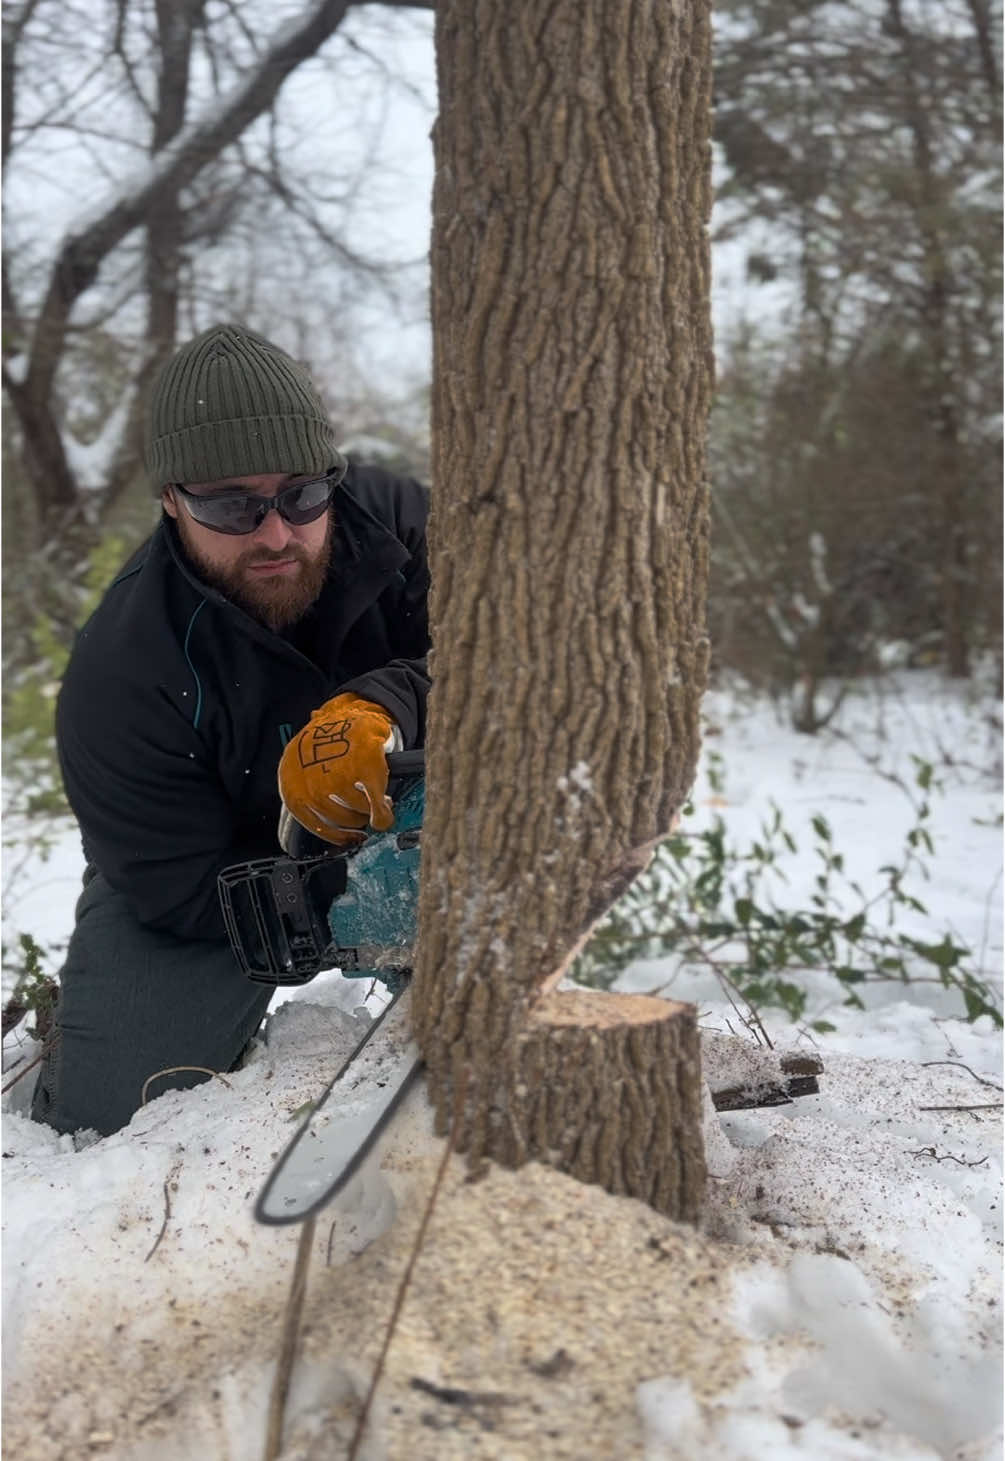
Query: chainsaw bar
(331,1143)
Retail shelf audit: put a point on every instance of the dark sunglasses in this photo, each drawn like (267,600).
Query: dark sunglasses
(238,511)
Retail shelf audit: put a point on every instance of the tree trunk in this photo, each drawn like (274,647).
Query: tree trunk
(980,13)
(950,495)
(56,496)
(176,27)
(568,541)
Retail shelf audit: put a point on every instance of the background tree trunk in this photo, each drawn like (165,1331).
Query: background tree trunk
(165,232)
(949,507)
(572,369)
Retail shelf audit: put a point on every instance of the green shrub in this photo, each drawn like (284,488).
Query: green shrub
(708,906)
(31,772)
(34,991)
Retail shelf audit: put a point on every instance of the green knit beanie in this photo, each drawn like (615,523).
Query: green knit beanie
(230,404)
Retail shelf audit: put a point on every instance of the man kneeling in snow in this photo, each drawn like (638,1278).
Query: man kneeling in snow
(279,580)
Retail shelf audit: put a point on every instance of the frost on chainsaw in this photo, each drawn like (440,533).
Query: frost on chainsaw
(568,548)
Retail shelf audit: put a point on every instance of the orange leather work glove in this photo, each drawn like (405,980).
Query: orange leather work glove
(333,773)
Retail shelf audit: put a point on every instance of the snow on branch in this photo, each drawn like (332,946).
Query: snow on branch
(91,462)
(818,564)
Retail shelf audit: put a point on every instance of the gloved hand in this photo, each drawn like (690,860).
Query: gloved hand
(333,773)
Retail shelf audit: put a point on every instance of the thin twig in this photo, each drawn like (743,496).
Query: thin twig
(929,1151)
(993,1106)
(989,902)
(399,1302)
(288,1346)
(31,1066)
(13,1013)
(175,1070)
(166,1220)
(980,1078)
(754,1022)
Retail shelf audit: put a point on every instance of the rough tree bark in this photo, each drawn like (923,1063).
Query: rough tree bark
(572,368)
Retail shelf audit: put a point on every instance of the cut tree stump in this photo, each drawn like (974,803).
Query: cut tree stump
(605,1087)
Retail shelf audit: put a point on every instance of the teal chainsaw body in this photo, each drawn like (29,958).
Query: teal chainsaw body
(353,909)
(373,921)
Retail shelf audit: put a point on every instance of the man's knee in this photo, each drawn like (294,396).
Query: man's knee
(140,1013)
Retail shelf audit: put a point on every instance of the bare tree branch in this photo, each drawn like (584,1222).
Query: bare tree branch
(119,49)
(81,255)
(15,19)
(150,199)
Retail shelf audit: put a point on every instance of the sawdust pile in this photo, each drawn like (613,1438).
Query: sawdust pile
(537,1306)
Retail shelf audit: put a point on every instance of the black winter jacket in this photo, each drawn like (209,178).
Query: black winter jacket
(176,704)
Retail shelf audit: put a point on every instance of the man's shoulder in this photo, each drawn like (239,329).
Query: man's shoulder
(138,614)
(398,502)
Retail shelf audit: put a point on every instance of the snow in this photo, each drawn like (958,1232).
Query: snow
(858,1231)
(17,368)
(91,462)
(897,1212)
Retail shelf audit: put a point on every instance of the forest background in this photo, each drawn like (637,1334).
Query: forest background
(168,163)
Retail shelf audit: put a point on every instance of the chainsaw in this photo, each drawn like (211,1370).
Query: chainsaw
(354,909)
(326,907)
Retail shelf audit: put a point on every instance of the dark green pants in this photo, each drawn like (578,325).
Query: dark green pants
(134,1001)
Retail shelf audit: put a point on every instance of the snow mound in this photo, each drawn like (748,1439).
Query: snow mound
(843,1300)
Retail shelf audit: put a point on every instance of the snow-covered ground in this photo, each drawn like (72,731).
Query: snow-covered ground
(842,1302)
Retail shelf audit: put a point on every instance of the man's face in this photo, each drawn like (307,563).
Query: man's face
(275,573)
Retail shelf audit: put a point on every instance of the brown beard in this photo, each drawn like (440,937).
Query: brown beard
(278,602)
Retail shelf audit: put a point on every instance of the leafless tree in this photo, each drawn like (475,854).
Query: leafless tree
(866,135)
(176,107)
